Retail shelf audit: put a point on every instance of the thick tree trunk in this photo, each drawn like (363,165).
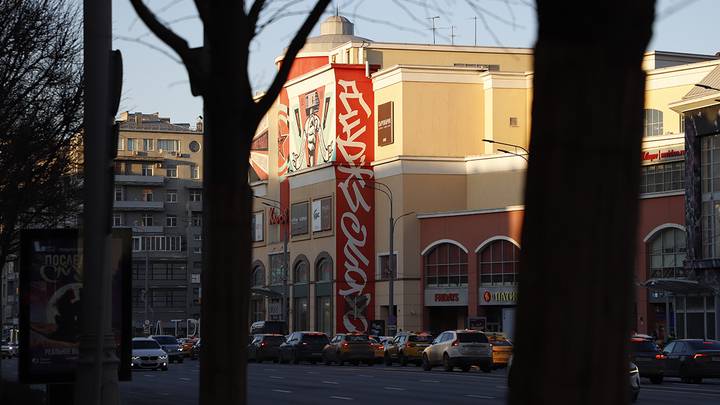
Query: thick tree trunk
(581,197)
(230,123)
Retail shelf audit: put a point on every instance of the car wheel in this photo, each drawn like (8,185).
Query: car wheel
(403,360)
(465,368)
(696,380)
(295,359)
(181,360)
(446,363)
(426,363)
(388,360)
(326,360)
(486,368)
(656,379)
(165,368)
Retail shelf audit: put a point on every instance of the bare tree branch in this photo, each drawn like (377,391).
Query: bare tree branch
(174,41)
(203,10)
(138,40)
(254,14)
(297,43)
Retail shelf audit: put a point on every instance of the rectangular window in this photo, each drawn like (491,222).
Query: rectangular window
(663,177)
(168,145)
(172,171)
(147,195)
(121,144)
(148,144)
(196,195)
(147,170)
(171,196)
(195,278)
(171,220)
(119,194)
(322,215)
(132,144)
(197,249)
(196,295)
(256,227)
(194,172)
(158,243)
(197,236)
(383,272)
(147,220)
(168,298)
(196,219)
(299,219)
(117,220)
(277,270)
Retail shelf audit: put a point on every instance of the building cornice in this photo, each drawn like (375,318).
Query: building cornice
(444,214)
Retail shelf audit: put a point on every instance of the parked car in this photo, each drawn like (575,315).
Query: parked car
(185,346)
(501,349)
(692,359)
(9,350)
(379,348)
(268,327)
(147,354)
(303,346)
(170,345)
(354,348)
(459,348)
(406,347)
(195,351)
(648,357)
(634,382)
(265,347)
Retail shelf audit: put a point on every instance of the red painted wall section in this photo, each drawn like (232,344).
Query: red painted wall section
(304,64)
(355,202)
(654,212)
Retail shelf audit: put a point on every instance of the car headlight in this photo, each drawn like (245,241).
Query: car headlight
(136,357)
(163,357)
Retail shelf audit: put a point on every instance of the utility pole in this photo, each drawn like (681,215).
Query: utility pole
(286,238)
(147,291)
(433,25)
(96,379)
(475,26)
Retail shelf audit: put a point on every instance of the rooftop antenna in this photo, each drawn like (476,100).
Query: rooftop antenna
(433,25)
(475,18)
(452,35)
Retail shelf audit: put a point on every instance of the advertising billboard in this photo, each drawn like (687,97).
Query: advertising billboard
(311,126)
(50,292)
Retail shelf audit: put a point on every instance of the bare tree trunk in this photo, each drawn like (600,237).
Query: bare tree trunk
(581,197)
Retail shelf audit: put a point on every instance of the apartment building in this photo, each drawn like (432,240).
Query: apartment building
(158,193)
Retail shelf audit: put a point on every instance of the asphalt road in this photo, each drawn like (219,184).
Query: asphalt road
(307,384)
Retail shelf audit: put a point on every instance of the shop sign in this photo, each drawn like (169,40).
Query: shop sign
(322,215)
(299,219)
(497,295)
(446,297)
(663,155)
(385,124)
(278,216)
(355,217)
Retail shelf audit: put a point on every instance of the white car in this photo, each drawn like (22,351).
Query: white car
(147,354)
(459,348)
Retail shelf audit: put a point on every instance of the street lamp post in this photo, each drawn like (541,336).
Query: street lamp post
(286,237)
(507,151)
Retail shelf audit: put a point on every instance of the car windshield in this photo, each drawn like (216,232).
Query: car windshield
(643,346)
(145,344)
(472,338)
(421,338)
(705,345)
(274,339)
(315,338)
(500,342)
(166,340)
(357,338)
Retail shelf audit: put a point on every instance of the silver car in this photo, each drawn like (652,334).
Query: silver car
(170,345)
(147,354)
(459,348)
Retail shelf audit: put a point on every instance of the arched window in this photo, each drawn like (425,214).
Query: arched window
(498,263)
(300,272)
(258,275)
(445,266)
(666,253)
(323,270)
(653,122)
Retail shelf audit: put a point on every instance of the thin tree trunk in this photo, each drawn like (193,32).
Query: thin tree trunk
(581,197)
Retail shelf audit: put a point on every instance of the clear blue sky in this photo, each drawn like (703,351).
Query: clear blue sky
(156,83)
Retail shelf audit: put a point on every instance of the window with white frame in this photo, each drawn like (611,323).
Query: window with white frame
(168,145)
(121,144)
(172,171)
(666,254)
(117,220)
(132,144)
(147,220)
(194,172)
(147,195)
(195,195)
(197,249)
(119,193)
(653,122)
(197,236)
(171,196)
(147,170)
(171,220)
(148,144)
(196,219)
(158,243)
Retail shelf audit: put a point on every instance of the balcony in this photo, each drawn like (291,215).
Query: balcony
(137,180)
(147,229)
(194,206)
(138,205)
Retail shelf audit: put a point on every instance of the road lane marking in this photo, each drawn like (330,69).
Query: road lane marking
(330,382)
(342,398)
(283,391)
(185,379)
(365,375)
(479,396)
(148,375)
(394,388)
(502,387)
(429,381)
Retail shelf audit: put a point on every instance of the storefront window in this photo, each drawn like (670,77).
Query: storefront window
(445,266)
(324,271)
(666,254)
(323,316)
(710,192)
(663,177)
(301,272)
(258,276)
(301,314)
(278,273)
(498,263)
(257,310)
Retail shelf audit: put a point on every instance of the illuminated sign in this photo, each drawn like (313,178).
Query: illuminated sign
(497,295)
(446,297)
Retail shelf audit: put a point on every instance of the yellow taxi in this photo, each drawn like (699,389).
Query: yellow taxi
(406,347)
(379,348)
(501,347)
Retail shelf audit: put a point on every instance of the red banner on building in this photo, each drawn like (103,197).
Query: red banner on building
(355,212)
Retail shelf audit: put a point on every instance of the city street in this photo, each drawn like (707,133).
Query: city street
(307,384)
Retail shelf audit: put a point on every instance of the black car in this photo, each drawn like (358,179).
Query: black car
(303,346)
(693,359)
(170,345)
(265,347)
(649,359)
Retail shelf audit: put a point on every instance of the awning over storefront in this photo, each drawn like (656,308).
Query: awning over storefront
(265,292)
(677,286)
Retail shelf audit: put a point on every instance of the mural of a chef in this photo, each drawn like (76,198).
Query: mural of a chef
(312,142)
